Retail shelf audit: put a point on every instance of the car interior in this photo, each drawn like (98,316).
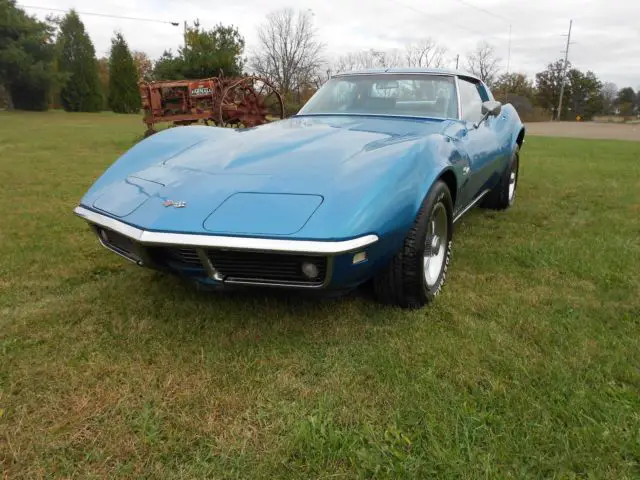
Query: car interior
(404,97)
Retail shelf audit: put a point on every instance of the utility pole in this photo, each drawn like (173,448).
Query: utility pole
(457,60)
(564,70)
(196,25)
(184,34)
(506,93)
(509,52)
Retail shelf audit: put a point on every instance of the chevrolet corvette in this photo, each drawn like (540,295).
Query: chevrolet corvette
(364,183)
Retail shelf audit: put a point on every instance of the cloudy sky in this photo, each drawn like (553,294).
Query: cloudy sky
(606,32)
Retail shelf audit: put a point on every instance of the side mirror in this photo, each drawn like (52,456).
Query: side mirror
(492,109)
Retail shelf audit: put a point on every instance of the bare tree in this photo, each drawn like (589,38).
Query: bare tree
(322,74)
(484,63)
(425,53)
(289,53)
(390,58)
(369,59)
(356,61)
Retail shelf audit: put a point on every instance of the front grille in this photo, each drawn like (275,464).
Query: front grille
(188,256)
(177,257)
(255,267)
(229,265)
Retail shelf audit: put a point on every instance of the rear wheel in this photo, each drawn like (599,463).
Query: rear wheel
(415,275)
(504,193)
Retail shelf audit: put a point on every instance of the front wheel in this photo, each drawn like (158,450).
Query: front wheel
(415,275)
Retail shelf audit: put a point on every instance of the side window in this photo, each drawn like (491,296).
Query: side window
(470,101)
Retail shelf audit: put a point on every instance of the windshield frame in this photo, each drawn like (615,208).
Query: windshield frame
(301,112)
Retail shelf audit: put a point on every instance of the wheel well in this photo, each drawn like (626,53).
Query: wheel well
(449,178)
(520,139)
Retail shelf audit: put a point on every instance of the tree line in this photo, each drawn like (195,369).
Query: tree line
(53,63)
(584,95)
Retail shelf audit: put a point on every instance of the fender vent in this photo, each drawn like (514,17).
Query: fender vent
(118,243)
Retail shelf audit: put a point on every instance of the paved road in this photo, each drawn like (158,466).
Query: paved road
(585,130)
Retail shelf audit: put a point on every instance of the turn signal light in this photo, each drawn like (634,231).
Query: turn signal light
(359,257)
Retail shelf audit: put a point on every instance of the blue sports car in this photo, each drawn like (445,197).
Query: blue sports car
(364,183)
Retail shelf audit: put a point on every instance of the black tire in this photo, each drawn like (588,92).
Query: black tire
(402,282)
(499,198)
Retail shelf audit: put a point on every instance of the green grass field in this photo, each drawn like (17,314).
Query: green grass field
(527,366)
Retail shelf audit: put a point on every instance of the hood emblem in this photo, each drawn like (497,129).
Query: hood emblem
(175,204)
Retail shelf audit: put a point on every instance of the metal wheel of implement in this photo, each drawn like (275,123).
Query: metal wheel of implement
(249,102)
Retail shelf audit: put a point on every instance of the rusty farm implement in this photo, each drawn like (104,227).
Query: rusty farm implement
(223,101)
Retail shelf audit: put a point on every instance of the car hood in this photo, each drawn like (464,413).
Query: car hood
(267,180)
(300,145)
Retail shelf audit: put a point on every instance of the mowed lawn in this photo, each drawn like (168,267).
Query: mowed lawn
(527,366)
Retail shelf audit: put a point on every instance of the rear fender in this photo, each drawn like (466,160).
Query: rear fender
(517,128)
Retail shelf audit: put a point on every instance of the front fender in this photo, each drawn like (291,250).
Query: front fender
(383,191)
(449,162)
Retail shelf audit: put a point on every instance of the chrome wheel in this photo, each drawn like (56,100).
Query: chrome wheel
(435,249)
(513,179)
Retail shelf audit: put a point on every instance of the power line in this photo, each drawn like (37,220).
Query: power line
(480,9)
(482,34)
(139,19)
(422,12)
(495,15)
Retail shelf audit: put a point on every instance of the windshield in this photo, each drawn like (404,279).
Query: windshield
(415,95)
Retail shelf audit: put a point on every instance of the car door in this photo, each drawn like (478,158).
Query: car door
(479,143)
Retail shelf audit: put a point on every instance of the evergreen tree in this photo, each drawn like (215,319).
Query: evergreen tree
(123,78)
(207,53)
(26,58)
(77,59)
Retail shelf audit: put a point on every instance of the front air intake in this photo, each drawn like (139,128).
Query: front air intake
(268,268)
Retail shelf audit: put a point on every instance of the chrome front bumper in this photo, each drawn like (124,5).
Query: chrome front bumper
(207,247)
(235,243)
